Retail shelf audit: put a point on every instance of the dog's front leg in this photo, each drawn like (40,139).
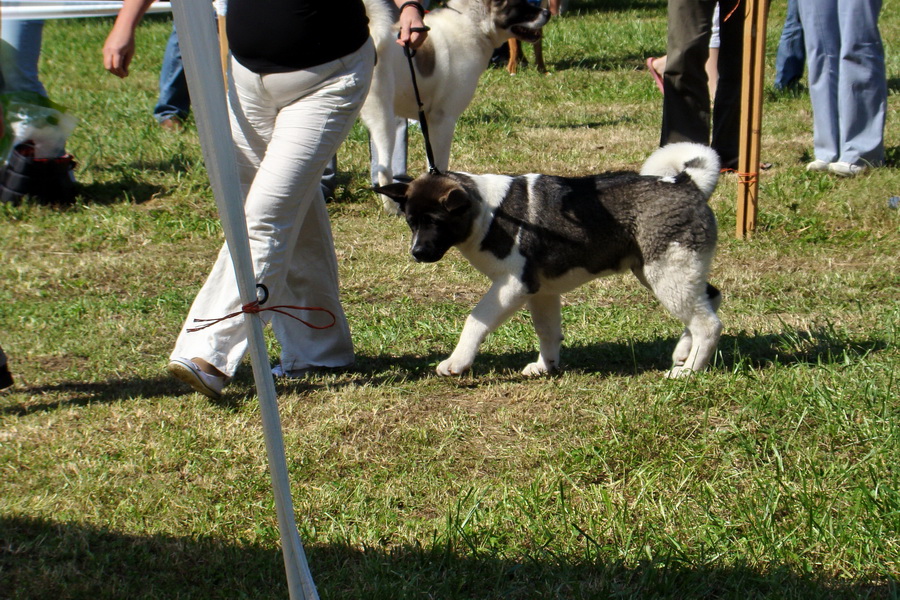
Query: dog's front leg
(547,318)
(503,299)
(441,129)
(378,115)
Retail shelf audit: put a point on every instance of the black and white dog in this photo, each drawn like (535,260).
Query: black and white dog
(538,236)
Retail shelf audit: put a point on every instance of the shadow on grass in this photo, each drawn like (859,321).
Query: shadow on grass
(821,346)
(43,559)
(112,192)
(817,347)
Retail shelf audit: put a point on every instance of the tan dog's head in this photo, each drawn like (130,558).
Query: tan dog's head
(521,19)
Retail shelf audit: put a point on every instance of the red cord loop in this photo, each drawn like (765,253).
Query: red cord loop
(746,178)
(255,308)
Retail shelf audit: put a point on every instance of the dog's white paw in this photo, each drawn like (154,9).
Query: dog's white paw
(390,207)
(677,372)
(536,369)
(451,367)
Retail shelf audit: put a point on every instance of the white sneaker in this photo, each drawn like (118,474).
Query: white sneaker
(817,165)
(188,372)
(845,169)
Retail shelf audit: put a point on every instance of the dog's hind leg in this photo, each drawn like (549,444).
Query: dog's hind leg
(683,348)
(382,125)
(539,57)
(547,319)
(505,297)
(679,282)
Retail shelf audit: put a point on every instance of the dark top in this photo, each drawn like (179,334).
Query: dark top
(275,36)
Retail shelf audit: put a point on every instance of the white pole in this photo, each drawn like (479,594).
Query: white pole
(72,9)
(200,51)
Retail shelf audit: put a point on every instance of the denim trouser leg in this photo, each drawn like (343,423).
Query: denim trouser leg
(847,79)
(174,99)
(19,55)
(791,56)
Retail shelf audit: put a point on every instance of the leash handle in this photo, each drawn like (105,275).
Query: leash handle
(429,154)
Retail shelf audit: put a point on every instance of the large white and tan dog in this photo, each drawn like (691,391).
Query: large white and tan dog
(462,37)
(538,236)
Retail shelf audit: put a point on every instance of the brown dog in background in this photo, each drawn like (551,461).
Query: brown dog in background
(516,55)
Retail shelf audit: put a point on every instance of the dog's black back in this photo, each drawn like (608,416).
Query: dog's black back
(600,223)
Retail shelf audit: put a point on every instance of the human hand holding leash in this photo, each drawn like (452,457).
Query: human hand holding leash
(413,30)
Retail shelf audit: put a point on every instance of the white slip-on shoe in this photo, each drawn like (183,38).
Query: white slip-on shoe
(845,169)
(187,371)
(817,165)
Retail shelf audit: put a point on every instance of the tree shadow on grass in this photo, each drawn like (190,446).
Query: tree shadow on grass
(41,559)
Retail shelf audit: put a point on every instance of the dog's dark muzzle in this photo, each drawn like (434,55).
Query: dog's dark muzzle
(426,253)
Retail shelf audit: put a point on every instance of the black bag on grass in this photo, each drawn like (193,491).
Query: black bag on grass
(49,180)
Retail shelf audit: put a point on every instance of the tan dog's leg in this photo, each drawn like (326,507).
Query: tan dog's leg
(515,48)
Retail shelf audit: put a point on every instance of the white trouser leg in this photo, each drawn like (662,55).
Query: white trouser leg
(286,127)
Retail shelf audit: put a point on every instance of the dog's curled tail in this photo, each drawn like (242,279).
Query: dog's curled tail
(381,20)
(699,162)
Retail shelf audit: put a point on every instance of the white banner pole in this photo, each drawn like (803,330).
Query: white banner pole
(71,9)
(200,52)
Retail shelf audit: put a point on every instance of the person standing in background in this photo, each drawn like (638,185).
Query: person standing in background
(847,84)
(791,54)
(686,97)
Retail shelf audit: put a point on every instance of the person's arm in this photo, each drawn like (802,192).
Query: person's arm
(411,17)
(118,50)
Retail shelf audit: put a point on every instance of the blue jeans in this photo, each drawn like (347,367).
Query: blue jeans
(19,56)
(847,79)
(791,52)
(174,99)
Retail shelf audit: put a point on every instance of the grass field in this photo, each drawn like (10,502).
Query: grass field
(773,475)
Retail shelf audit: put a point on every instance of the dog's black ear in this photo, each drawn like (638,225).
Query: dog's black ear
(455,200)
(394,191)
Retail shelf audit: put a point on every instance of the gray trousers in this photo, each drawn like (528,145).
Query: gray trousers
(847,79)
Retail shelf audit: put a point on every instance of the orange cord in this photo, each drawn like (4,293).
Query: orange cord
(255,308)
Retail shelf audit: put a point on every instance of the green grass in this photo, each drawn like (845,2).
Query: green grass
(774,475)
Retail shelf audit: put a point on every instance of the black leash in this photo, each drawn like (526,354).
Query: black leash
(424,124)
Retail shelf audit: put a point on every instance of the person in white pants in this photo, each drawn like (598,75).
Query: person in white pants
(287,219)
(300,71)
(847,83)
